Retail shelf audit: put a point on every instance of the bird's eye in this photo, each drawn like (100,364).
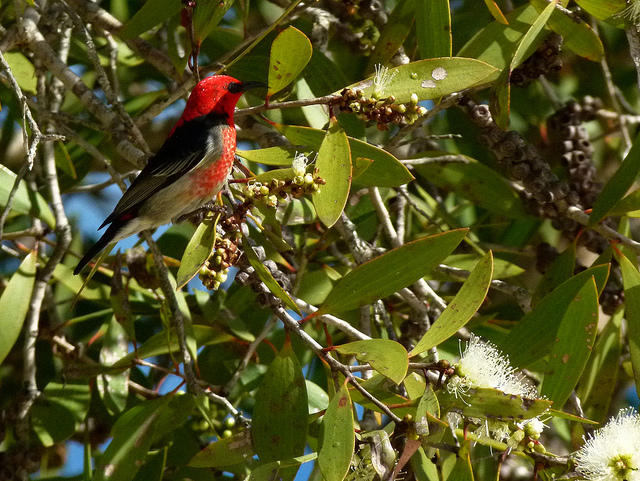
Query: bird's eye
(235,87)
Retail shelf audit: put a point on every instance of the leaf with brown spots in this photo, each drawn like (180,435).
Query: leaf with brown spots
(280,415)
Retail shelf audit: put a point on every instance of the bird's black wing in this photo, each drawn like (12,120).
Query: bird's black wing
(189,144)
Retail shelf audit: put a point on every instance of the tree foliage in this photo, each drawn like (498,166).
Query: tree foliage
(423,188)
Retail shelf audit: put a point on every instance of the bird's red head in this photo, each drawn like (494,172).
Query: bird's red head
(216,94)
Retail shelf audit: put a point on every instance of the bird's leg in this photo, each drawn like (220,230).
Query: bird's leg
(198,215)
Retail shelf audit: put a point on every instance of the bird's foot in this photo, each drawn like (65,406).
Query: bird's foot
(198,215)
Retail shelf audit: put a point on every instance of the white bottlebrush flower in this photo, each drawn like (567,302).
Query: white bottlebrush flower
(381,80)
(299,165)
(631,13)
(483,365)
(613,452)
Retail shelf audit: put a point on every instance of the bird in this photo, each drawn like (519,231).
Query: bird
(189,169)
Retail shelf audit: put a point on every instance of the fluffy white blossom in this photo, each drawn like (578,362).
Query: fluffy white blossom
(483,365)
(381,80)
(613,452)
(631,13)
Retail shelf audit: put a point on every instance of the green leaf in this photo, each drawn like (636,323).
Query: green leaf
(152,13)
(461,309)
(25,201)
(337,437)
(58,413)
(462,470)
(631,282)
(574,342)
(433,28)
(386,170)
(225,452)
(605,10)
(431,79)
(561,270)
(488,403)
(387,357)
(14,303)
(502,268)
(629,205)
(496,12)
(533,336)
(198,250)
(281,401)
(279,156)
(132,437)
(23,71)
(597,386)
(334,165)
(496,43)
(391,272)
(577,35)
(618,185)
(501,92)
(290,53)
(114,388)
(274,470)
(207,15)
(266,277)
(393,33)
(477,183)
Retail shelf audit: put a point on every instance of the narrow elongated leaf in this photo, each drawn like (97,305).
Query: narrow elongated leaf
(114,388)
(25,201)
(60,410)
(334,164)
(337,437)
(560,271)
(14,304)
(618,185)
(290,53)
(281,401)
(267,278)
(574,342)
(496,43)
(207,15)
(605,10)
(487,403)
(495,11)
(597,385)
(477,183)
(577,35)
(533,336)
(225,452)
(23,71)
(500,96)
(280,156)
(198,250)
(387,357)
(274,470)
(132,438)
(152,13)
(393,33)
(433,29)
(431,79)
(631,281)
(390,272)
(460,310)
(386,170)
(462,470)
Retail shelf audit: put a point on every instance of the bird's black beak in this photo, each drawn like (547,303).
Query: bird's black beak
(251,85)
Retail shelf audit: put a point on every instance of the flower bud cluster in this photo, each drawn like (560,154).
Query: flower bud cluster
(541,62)
(382,110)
(247,276)
(225,251)
(302,183)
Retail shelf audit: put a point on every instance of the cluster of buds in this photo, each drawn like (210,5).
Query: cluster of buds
(382,110)
(301,183)
(225,251)
(541,62)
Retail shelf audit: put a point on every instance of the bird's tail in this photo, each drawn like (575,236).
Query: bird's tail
(106,238)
